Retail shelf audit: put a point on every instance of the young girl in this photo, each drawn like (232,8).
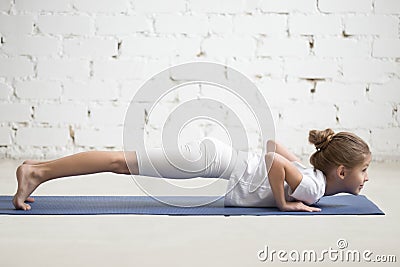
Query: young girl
(340,165)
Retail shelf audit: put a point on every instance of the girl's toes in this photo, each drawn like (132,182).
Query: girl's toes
(30,199)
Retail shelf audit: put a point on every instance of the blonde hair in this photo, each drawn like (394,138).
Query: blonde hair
(342,148)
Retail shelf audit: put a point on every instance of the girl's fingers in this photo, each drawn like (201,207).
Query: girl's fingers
(314,209)
(310,209)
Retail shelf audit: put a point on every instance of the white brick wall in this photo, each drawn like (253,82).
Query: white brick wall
(65,25)
(36,89)
(58,69)
(69,68)
(5,136)
(381,25)
(42,137)
(356,6)
(389,48)
(118,24)
(16,24)
(286,6)
(5,91)
(28,45)
(387,6)
(317,24)
(16,67)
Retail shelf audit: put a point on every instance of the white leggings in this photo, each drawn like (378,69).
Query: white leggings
(208,158)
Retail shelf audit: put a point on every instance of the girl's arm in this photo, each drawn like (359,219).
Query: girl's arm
(280,170)
(273,146)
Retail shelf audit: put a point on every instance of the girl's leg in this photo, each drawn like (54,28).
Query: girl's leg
(29,177)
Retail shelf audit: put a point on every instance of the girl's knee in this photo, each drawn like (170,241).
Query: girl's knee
(271,146)
(273,159)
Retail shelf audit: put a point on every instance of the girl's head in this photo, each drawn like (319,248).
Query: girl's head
(343,153)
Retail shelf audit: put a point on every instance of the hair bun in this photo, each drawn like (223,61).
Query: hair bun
(320,139)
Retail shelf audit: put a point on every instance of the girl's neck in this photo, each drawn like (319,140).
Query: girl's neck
(333,184)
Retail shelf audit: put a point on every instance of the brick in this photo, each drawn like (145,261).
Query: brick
(5,91)
(386,48)
(216,6)
(62,69)
(372,25)
(286,47)
(34,89)
(61,113)
(16,67)
(15,112)
(334,47)
(158,47)
(155,6)
(108,115)
(307,115)
(16,24)
(94,6)
(220,24)
(31,45)
(129,89)
(385,93)
(66,25)
(5,136)
(387,6)
(367,70)
(280,93)
(42,136)
(288,6)
(104,137)
(268,24)
(91,90)
(166,23)
(385,141)
(312,68)
(257,68)
(333,92)
(122,24)
(315,24)
(118,69)
(356,6)
(294,138)
(90,47)
(364,115)
(43,5)
(230,46)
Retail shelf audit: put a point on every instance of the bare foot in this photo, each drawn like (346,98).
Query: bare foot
(32,162)
(27,183)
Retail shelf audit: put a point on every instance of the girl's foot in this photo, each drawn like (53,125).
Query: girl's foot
(27,183)
(32,162)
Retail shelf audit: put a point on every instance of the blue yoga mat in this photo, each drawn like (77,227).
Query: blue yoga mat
(92,205)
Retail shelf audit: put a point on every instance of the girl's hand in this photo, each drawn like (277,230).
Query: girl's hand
(298,206)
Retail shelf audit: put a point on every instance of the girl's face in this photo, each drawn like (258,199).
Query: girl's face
(357,176)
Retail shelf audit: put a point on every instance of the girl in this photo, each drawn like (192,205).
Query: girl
(340,165)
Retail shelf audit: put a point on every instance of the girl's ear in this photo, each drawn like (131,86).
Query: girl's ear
(340,171)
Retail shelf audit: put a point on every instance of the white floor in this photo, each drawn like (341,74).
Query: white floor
(141,240)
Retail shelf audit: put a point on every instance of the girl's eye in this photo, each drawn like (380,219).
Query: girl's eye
(364,170)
